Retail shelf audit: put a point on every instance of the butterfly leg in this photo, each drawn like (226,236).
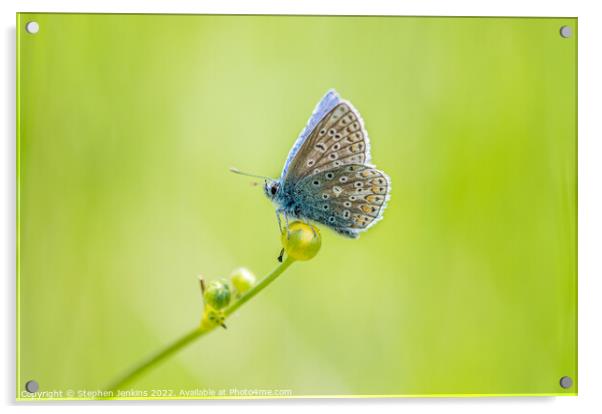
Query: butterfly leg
(279,222)
(278,212)
(288,233)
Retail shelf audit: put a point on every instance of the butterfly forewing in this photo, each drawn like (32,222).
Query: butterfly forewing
(338,139)
(348,198)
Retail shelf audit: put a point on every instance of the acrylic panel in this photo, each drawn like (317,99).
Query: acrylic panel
(128,126)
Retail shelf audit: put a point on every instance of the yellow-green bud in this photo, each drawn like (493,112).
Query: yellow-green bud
(242,279)
(211,318)
(302,241)
(217,294)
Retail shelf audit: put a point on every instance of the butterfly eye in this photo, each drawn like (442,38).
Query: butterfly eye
(273,189)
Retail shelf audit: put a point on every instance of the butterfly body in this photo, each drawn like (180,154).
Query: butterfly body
(327,177)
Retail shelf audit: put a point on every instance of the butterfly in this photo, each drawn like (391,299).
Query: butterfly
(327,177)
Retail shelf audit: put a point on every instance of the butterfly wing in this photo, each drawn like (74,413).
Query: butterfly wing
(349,198)
(334,136)
(326,104)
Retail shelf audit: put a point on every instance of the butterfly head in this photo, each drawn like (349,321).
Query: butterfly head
(271,188)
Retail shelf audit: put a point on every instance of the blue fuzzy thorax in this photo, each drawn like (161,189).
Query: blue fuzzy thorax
(285,197)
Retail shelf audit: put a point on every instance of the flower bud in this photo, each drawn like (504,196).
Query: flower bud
(242,280)
(302,241)
(211,318)
(217,294)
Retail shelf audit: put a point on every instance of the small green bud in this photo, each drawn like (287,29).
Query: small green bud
(217,294)
(242,279)
(211,318)
(302,241)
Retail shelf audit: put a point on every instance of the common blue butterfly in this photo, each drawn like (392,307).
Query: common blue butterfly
(327,177)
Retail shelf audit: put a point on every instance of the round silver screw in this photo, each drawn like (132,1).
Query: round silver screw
(32,386)
(566,31)
(32,27)
(566,382)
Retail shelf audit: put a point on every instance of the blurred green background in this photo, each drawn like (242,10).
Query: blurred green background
(128,124)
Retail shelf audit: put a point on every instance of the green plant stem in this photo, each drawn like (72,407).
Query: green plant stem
(258,287)
(196,333)
(156,358)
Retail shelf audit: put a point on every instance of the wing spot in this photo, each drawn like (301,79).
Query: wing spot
(317,170)
(352,198)
(350,168)
(357,147)
(355,137)
(372,198)
(338,163)
(367,208)
(341,109)
(368,173)
(332,132)
(325,207)
(310,163)
(337,190)
(360,219)
(338,136)
(316,183)
(347,204)
(325,196)
(336,147)
(333,156)
(343,179)
(321,147)
(329,176)
(331,219)
(346,214)
(322,131)
(358,184)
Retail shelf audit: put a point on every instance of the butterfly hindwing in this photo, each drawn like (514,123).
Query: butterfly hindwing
(348,198)
(338,139)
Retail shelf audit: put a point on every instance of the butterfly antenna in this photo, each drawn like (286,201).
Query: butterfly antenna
(239,172)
